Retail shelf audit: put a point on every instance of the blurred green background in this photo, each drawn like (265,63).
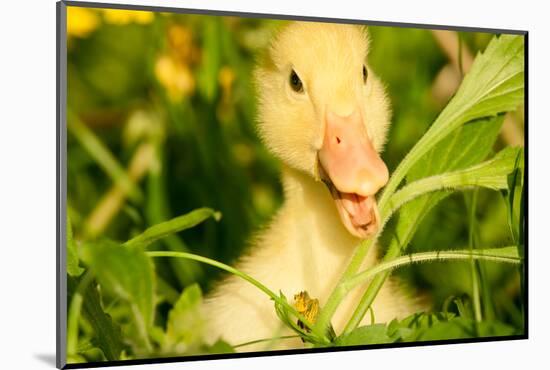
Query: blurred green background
(161,121)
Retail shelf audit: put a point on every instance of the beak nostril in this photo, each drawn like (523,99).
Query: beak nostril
(338,140)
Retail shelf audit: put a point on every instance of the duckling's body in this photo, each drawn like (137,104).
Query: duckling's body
(311,239)
(305,248)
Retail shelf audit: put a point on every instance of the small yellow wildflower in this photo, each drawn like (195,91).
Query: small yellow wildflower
(175,77)
(226,77)
(81,21)
(180,41)
(122,17)
(173,69)
(306,306)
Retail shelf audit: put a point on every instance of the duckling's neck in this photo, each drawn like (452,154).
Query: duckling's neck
(313,211)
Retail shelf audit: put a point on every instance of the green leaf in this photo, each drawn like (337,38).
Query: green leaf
(468,145)
(371,334)
(412,326)
(174,225)
(219,347)
(495,84)
(107,334)
(515,203)
(423,327)
(128,273)
(185,324)
(464,328)
(441,326)
(73,269)
(492,174)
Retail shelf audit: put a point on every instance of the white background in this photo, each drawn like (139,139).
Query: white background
(27,183)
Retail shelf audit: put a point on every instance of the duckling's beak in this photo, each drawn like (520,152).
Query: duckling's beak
(353,171)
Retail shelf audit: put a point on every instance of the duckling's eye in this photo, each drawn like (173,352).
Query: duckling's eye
(296,83)
(365,74)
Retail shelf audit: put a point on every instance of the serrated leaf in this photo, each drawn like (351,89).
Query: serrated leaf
(107,334)
(73,269)
(128,273)
(414,325)
(493,85)
(442,326)
(468,145)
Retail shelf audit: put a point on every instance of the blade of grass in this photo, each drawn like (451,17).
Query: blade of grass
(174,225)
(102,155)
(157,209)
(114,198)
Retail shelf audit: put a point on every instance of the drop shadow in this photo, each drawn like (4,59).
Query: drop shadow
(47,358)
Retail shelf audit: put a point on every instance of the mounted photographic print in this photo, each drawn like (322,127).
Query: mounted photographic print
(237,184)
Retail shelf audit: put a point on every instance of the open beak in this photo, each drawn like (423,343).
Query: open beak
(353,172)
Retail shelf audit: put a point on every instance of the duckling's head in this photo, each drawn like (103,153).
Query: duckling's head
(322,111)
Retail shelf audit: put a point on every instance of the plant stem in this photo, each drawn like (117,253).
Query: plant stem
(473,267)
(265,340)
(505,254)
(370,294)
(491,174)
(337,295)
(244,276)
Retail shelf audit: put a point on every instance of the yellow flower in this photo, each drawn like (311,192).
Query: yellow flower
(307,307)
(180,41)
(122,17)
(226,77)
(173,69)
(81,21)
(176,77)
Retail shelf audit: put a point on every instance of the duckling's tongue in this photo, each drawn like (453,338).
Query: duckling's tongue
(358,213)
(360,208)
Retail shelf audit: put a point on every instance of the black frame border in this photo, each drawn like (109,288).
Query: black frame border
(61,188)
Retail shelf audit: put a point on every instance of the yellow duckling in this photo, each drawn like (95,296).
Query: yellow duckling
(325,115)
